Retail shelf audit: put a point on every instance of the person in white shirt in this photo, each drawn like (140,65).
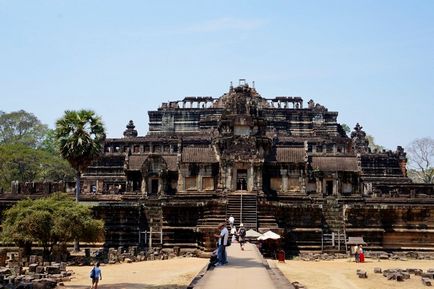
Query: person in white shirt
(231,221)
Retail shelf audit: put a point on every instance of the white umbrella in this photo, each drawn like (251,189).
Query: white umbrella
(269,235)
(252,234)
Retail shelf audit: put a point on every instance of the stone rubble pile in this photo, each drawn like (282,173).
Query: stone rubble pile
(132,254)
(380,255)
(37,275)
(401,274)
(321,256)
(401,256)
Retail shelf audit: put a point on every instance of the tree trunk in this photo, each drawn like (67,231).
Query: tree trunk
(77,195)
(77,185)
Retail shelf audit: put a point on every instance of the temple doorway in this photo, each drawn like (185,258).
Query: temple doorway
(241,179)
(329,188)
(154,186)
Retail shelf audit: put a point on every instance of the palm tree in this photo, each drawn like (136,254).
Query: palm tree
(80,135)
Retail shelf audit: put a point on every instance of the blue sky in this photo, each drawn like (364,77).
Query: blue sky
(372,61)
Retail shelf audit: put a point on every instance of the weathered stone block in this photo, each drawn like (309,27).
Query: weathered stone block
(426,281)
(32,268)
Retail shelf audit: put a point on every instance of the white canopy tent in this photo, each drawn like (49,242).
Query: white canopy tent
(252,234)
(269,235)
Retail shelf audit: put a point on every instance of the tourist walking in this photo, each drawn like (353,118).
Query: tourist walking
(231,221)
(233,234)
(241,236)
(221,245)
(356,253)
(95,275)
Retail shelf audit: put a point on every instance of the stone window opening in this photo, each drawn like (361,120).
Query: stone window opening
(136,149)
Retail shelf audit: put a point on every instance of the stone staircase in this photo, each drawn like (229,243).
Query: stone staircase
(334,234)
(153,235)
(243,207)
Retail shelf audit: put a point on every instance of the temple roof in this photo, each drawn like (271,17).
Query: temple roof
(198,155)
(334,163)
(135,162)
(290,155)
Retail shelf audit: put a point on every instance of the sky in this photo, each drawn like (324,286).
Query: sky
(372,61)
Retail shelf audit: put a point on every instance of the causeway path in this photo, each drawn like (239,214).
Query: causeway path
(245,270)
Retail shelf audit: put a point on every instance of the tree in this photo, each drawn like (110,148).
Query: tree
(372,145)
(80,135)
(421,159)
(346,128)
(22,163)
(49,221)
(21,127)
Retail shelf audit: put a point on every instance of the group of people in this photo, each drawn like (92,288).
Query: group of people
(359,254)
(225,238)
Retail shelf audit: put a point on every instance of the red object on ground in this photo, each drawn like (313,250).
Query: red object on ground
(281,256)
(362,257)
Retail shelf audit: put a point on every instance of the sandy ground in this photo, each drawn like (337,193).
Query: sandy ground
(168,274)
(341,274)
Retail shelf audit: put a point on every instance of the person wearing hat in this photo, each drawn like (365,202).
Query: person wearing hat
(221,245)
(241,236)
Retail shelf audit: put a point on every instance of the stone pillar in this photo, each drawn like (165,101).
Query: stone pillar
(143,187)
(181,179)
(259,178)
(199,180)
(234,179)
(229,178)
(319,186)
(335,185)
(250,179)
(284,174)
(160,186)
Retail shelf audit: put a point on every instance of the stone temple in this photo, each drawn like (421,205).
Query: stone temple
(277,164)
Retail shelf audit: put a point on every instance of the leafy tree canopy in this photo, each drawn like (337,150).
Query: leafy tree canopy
(19,162)
(29,151)
(346,128)
(372,145)
(49,221)
(21,127)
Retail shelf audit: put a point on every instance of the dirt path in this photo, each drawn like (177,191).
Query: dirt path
(341,274)
(168,274)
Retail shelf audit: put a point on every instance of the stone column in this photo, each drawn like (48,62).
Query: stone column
(181,179)
(229,178)
(234,179)
(250,179)
(259,178)
(335,184)
(319,186)
(284,174)
(160,186)
(144,189)
(199,180)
